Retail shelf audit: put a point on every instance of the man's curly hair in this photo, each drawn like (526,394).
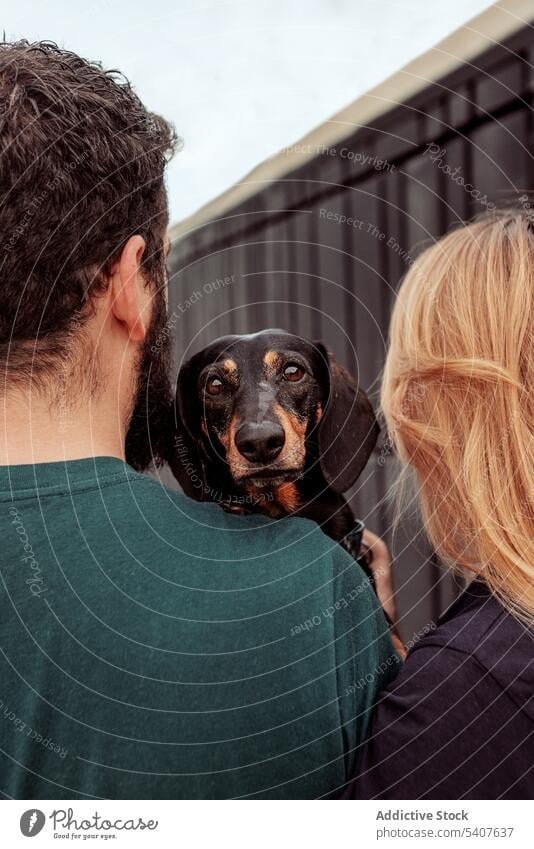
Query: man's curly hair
(81,170)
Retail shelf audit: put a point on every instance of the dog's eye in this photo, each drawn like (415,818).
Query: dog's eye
(214,386)
(293,372)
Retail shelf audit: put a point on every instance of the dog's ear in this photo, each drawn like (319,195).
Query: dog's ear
(348,429)
(184,458)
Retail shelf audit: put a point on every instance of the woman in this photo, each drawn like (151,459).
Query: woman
(458,397)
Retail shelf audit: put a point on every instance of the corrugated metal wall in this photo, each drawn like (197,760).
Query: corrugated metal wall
(321,251)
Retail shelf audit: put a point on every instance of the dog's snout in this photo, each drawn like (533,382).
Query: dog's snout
(260,442)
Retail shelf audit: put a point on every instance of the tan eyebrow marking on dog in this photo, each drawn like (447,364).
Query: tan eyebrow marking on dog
(271,359)
(230,366)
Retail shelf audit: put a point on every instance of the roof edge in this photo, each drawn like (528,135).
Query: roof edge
(471,39)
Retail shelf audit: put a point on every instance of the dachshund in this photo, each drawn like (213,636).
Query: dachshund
(269,422)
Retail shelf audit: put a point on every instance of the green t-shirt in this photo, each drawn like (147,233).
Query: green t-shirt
(155,647)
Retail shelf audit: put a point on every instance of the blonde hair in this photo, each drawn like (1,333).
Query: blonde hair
(458,397)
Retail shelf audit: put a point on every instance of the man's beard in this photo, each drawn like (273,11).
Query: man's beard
(149,433)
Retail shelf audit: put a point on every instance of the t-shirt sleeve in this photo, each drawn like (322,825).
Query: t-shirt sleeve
(439,730)
(366,660)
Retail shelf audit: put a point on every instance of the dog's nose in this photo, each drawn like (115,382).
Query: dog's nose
(260,442)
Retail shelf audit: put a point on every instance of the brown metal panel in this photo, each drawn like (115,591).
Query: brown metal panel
(433,119)
(245,256)
(460,104)
(253,252)
(501,157)
(305,269)
(455,197)
(499,84)
(365,250)
(398,138)
(276,282)
(422,203)
(331,223)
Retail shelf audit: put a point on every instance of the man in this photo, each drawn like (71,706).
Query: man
(150,646)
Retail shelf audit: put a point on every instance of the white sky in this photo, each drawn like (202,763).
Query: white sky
(241,79)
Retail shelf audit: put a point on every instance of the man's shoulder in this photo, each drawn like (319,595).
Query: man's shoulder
(286,569)
(204,530)
(157,495)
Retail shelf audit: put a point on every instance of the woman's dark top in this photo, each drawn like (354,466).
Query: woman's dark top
(458,721)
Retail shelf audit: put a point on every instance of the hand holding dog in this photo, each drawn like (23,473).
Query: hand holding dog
(380,565)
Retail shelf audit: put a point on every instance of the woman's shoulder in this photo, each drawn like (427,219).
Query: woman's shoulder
(477,621)
(482,632)
(457,720)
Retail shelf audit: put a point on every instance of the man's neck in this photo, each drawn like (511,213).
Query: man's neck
(34,430)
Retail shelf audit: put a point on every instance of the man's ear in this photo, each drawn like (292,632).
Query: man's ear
(129,303)
(185,459)
(348,429)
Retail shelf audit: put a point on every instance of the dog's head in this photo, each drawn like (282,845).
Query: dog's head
(267,405)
